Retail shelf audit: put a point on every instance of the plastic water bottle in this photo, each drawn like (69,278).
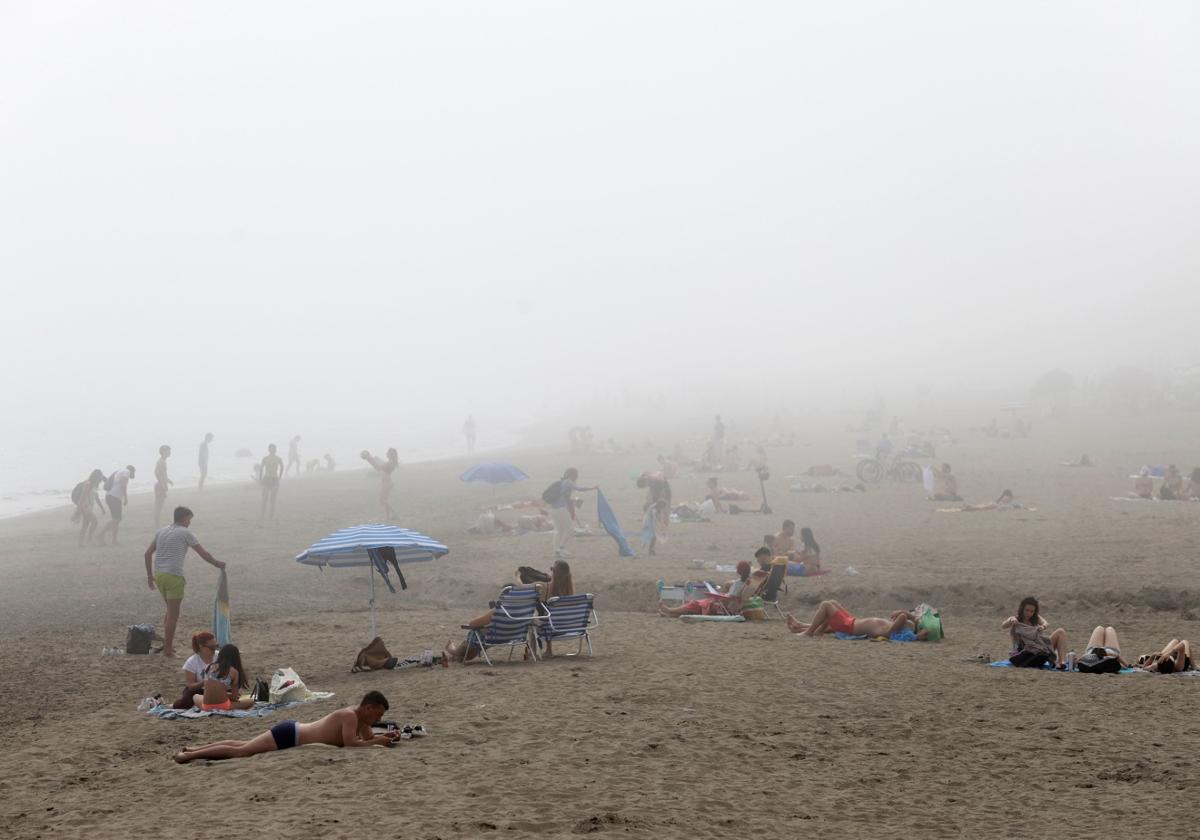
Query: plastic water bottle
(1071,661)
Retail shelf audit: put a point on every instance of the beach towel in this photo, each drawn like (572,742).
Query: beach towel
(259,710)
(1049,666)
(733,618)
(647,534)
(900,636)
(220,622)
(608,521)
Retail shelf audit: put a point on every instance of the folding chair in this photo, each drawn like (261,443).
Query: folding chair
(568,617)
(512,618)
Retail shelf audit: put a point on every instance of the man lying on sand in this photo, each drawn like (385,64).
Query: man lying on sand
(348,727)
(832,617)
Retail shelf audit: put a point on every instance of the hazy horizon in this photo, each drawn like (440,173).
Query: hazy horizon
(374,221)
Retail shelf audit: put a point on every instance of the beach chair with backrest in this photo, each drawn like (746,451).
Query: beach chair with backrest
(512,618)
(774,584)
(568,617)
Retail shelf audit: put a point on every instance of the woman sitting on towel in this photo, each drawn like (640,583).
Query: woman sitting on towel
(832,617)
(1175,657)
(730,598)
(223,683)
(204,649)
(1030,647)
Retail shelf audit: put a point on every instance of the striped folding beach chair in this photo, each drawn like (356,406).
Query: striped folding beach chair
(568,617)
(512,618)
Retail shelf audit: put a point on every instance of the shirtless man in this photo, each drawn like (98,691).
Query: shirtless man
(208,438)
(269,475)
(293,455)
(161,482)
(1143,485)
(1172,486)
(784,543)
(713,495)
(348,727)
(945,485)
(832,617)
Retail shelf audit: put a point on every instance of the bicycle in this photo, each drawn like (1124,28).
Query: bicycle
(874,470)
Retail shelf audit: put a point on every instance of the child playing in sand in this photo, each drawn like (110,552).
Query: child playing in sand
(348,727)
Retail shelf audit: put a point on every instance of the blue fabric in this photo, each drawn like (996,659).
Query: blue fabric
(647,533)
(494,472)
(1049,666)
(220,623)
(900,636)
(608,521)
(259,710)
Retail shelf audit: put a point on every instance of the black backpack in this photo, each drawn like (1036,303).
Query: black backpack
(77,493)
(139,637)
(552,493)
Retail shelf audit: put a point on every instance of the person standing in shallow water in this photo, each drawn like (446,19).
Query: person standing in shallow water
(204,458)
(270,472)
(116,496)
(293,456)
(161,482)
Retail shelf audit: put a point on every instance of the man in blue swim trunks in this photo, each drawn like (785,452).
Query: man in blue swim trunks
(349,727)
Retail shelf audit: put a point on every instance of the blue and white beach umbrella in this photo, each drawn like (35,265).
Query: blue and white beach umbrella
(373,546)
(494,472)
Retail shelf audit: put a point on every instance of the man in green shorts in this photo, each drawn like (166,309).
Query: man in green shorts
(164,568)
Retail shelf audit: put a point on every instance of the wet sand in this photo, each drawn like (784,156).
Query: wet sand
(670,730)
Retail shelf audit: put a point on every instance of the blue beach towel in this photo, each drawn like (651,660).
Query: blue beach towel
(900,636)
(259,710)
(220,622)
(608,521)
(1004,663)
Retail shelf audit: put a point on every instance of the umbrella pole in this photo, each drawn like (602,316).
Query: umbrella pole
(373,633)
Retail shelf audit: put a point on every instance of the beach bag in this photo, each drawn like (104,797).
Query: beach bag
(78,492)
(261,692)
(286,686)
(138,638)
(528,574)
(374,657)
(552,493)
(930,620)
(1029,659)
(1096,661)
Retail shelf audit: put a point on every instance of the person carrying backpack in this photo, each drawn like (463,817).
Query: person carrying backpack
(562,508)
(85,497)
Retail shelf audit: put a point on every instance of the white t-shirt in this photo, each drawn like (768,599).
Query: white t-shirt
(170,545)
(736,589)
(120,485)
(196,666)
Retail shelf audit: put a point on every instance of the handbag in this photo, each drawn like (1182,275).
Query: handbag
(1028,658)
(374,657)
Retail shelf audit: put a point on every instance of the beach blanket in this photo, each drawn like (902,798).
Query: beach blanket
(259,710)
(220,621)
(1004,663)
(900,636)
(608,521)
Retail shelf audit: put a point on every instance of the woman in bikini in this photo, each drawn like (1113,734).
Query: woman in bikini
(223,683)
(1026,630)
(832,617)
(1175,657)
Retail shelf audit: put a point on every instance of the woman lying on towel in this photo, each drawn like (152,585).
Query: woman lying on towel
(730,598)
(1175,657)
(223,682)
(832,617)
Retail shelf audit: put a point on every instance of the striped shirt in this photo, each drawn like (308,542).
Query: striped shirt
(170,545)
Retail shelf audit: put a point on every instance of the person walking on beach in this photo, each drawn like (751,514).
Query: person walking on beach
(562,509)
(293,455)
(164,568)
(270,471)
(86,497)
(116,496)
(161,482)
(469,431)
(348,727)
(385,470)
(204,458)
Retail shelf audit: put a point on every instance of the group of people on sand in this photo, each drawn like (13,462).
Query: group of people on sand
(1032,647)
(1173,487)
(213,677)
(86,498)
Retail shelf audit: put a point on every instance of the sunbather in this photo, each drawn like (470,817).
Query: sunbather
(1004,502)
(832,617)
(945,485)
(1176,656)
(348,727)
(1143,485)
(784,543)
(223,683)
(809,553)
(1026,630)
(729,598)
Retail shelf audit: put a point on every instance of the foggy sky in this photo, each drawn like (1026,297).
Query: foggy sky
(222,213)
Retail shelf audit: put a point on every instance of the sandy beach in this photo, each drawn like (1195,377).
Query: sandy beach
(670,730)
